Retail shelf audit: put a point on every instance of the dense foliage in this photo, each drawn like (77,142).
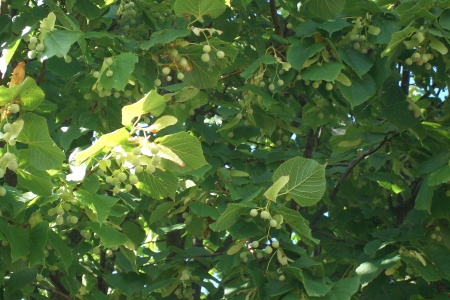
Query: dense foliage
(239,149)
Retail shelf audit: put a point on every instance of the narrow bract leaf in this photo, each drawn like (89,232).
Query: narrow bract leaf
(236,248)
(166,153)
(108,140)
(342,78)
(229,125)
(162,123)
(273,191)
(229,217)
(238,173)
(152,103)
(437,45)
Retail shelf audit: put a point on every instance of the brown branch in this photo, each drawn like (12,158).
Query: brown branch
(41,75)
(344,176)
(43,287)
(329,235)
(275,19)
(309,144)
(229,75)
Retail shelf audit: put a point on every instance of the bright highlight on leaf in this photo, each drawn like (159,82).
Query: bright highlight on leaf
(273,191)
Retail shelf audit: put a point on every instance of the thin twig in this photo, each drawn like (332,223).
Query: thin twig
(229,75)
(345,174)
(43,287)
(329,235)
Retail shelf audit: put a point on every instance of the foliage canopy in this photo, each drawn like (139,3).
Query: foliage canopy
(211,149)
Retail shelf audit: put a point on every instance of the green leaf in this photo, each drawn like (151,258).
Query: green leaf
(38,238)
(317,115)
(159,184)
(439,255)
(334,25)
(328,71)
(369,270)
(342,290)
(396,41)
(359,91)
(266,59)
(164,36)
(204,210)
(37,181)
(199,8)
(109,236)
(161,211)
(306,180)
(326,9)
(134,232)
(187,93)
(129,283)
(229,217)
(107,140)
(444,19)
(89,9)
(439,176)
(300,51)
(359,62)
(314,286)
(130,257)
(122,67)
(299,224)
(387,26)
(187,147)
(58,42)
(64,251)
(19,280)
(428,272)
(61,15)
(152,103)
(395,107)
(28,93)
(101,205)
(44,154)
(424,196)
(263,120)
(18,237)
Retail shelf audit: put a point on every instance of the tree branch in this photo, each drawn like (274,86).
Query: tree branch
(43,287)
(345,174)
(41,75)
(275,19)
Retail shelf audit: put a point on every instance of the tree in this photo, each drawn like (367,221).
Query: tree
(239,149)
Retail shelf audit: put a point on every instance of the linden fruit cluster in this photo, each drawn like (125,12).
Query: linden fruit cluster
(127,164)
